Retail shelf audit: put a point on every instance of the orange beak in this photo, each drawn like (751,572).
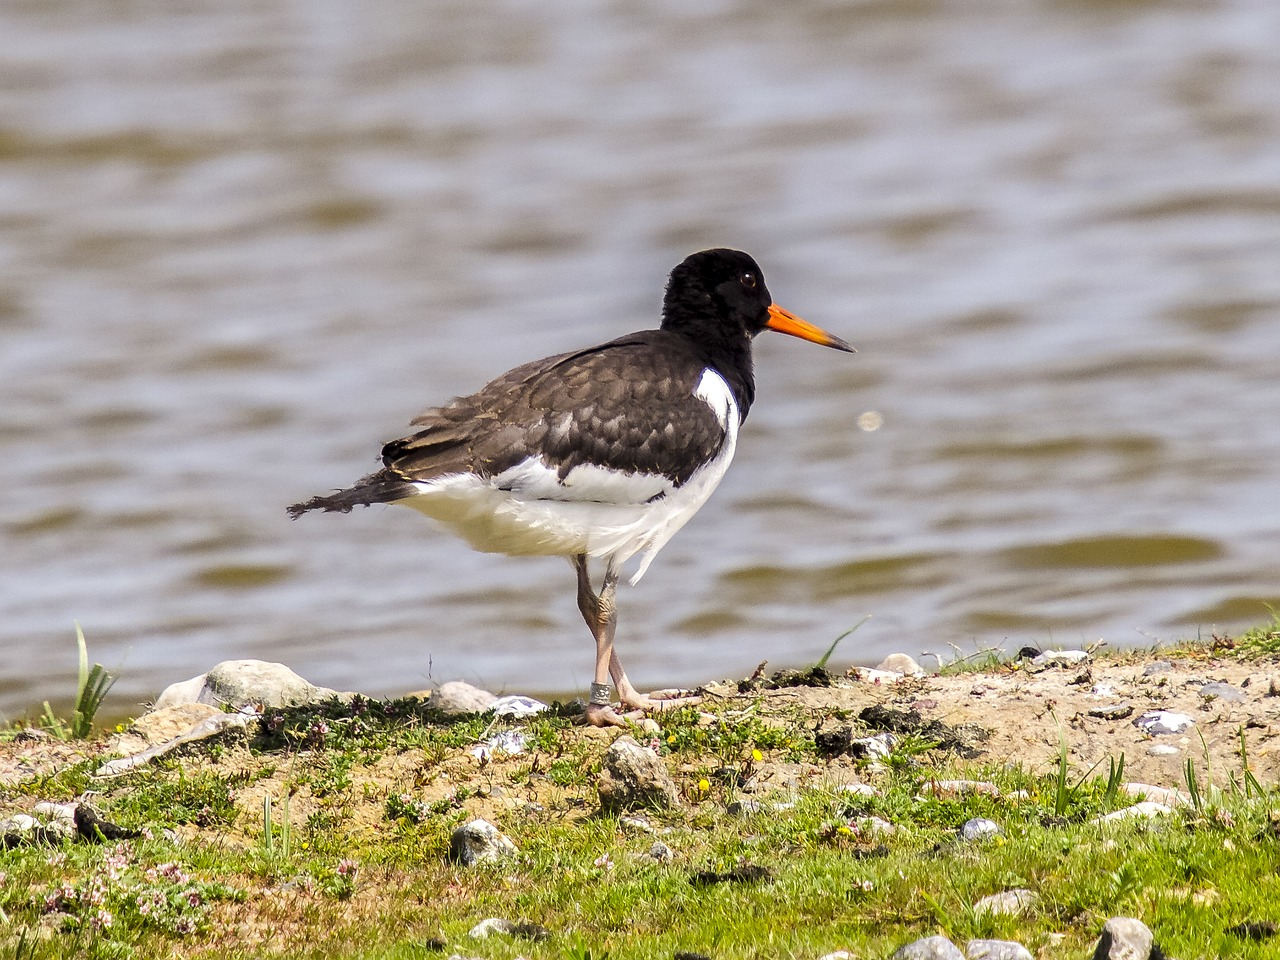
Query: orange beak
(790,324)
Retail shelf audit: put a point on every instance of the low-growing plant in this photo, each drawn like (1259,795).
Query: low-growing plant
(92,686)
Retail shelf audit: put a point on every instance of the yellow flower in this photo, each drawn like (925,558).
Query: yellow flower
(703,785)
(756,755)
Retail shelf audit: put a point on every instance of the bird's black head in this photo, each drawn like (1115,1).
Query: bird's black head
(717,293)
(718,298)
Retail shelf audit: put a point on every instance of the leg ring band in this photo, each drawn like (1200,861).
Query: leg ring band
(599,694)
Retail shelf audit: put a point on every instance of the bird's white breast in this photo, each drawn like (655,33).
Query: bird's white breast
(529,510)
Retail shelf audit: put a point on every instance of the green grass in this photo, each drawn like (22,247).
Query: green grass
(325,835)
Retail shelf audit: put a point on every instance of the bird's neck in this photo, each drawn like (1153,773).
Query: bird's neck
(728,355)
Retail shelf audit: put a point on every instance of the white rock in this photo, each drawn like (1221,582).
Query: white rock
(509,743)
(1166,795)
(1146,810)
(517,707)
(490,926)
(1157,722)
(1060,658)
(900,664)
(859,790)
(243,683)
(979,828)
(1009,902)
(459,697)
(1163,750)
(19,823)
(867,675)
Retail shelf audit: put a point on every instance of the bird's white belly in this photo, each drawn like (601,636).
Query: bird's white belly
(529,511)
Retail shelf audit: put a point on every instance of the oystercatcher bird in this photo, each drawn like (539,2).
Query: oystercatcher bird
(604,452)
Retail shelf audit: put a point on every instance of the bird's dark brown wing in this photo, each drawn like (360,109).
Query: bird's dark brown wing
(627,405)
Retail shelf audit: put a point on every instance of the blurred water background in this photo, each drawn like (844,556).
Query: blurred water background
(244,242)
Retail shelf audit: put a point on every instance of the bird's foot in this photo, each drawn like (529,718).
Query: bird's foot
(603,715)
(660,701)
(686,698)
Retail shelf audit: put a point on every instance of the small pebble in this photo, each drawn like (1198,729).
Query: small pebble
(1166,795)
(1157,722)
(1124,938)
(517,707)
(877,747)
(510,743)
(959,788)
(996,950)
(661,853)
(1156,666)
(1223,691)
(859,790)
(479,841)
(902,664)
(930,948)
(1146,810)
(1113,711)
(1008,903)
(1060,658)
(1162,750)
(979,828)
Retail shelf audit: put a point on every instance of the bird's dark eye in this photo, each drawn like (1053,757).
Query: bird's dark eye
(748,280)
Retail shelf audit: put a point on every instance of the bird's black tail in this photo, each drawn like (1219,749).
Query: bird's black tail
(380,487)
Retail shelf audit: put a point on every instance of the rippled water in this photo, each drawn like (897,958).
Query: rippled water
(243,243)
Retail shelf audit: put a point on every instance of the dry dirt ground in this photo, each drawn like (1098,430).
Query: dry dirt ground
(1022,715)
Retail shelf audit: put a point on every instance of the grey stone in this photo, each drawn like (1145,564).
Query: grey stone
(744,808)
(1223,691)
(1008,902)
(996,950)
(1124,938)
(1156,666)
(979,828)
(900,663)
(1060,658)
(458,697)
(478,842)
(634,776)
(661,852)
(1158,722)
(244,683)
(1113,711)
(930,948)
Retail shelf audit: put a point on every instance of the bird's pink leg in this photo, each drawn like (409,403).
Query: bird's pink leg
(600,613)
